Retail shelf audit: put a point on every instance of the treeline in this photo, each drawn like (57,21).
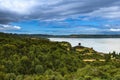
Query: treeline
(26,58)
(69,36)
(74,36)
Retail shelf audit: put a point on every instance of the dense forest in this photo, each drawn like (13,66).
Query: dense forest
(27,58)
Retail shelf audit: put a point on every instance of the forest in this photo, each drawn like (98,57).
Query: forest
(30,58)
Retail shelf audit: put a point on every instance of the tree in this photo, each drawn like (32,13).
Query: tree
(25,64)
(10,76)
(39,69)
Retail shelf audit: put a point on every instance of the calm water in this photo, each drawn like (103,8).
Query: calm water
(105,45)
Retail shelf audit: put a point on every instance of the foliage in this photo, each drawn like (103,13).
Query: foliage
(26,58)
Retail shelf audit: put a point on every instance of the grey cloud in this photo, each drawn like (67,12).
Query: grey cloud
(56,10)
(6,17)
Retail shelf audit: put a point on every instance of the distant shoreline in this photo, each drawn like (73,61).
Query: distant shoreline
(70,36)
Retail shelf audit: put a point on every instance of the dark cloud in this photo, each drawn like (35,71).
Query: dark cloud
(55,9)
(7,17)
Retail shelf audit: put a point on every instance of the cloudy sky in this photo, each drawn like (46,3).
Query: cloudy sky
(60,16)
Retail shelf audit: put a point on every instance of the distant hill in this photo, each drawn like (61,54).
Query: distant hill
(73,36)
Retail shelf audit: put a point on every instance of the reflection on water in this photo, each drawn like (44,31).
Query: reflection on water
(105,45)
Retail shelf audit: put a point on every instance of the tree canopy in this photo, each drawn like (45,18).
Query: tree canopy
(26,58)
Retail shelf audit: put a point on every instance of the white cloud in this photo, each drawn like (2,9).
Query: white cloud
(112,12)
(9,27)
(21,7)
(115,30)
(17,27)
(25,6)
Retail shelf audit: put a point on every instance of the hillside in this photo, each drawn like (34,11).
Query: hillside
(30,58)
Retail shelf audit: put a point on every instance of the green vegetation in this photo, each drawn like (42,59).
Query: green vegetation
(74,36)
(26,58)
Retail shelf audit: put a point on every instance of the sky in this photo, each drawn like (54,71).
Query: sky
(60,17)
